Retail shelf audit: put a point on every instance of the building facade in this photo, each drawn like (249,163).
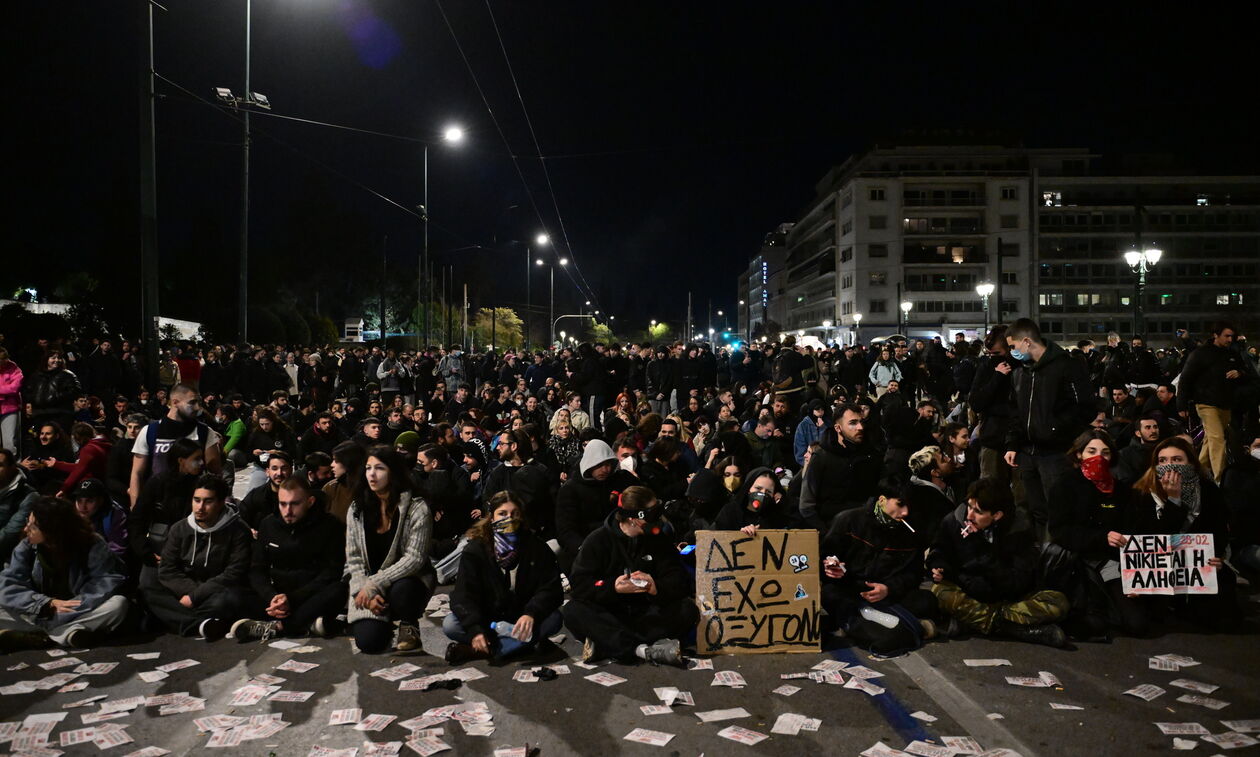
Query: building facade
(897,240)
(762,307)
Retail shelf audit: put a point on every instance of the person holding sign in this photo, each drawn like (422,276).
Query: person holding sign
(871,573)
(758,503)
(631,595)
(984,572)
(1176,496)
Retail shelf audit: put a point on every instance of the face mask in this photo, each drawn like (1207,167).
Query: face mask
(732,482)
(743,390)
(757,501)
(1021,356)
(1256,453)
(507,525)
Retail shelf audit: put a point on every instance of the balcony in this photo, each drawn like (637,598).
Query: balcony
(943,254)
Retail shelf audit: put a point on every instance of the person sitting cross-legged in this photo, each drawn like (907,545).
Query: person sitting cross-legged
(508,594)
(299,557)
(984,573)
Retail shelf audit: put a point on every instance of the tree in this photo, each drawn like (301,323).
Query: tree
(169,332)
(500,327)
(599,332)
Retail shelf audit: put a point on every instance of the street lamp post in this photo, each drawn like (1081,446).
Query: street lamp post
(540,241)
(451,135)
(552,311)
(857,328)
(984,289)
(826,331)
(1140,262)
(906,307)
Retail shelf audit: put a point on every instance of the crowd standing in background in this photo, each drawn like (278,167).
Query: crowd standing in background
(976,487)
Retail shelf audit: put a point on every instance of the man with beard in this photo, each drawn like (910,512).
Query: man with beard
(1133,460)
(181,422)
(843,474)
(521,474)
(264,499)
(322,436)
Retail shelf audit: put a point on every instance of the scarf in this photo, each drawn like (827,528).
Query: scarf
(1098,470)
(1189,488)
(505,540)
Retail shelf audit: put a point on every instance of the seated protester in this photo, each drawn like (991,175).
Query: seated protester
(201,578)
(263,500)
(165,500)
(1135,458)
(407,444)
(317,470)
(298,559)
(985,573)
(844,473)
(671,427)
(759,502)
(348,459)
(92,461)
(631,594)
(872,567)
(369,434)
(474,464)
(16,498)
(108,518)
(661,472)
(930,499)
(394,425)
(51,447)
(583,502)
(956,445)
(118,465)
(228,422)
(565,447)
(322,436)
(1176,495)
(1239,485)
(449,494)
(765,441)
(811,428)
(269,434)
(798,481)
(507,597)
(387,556)
(522,475)
(706,496)
(62,584)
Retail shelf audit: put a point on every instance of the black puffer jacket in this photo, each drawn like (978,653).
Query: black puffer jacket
(298,560)
(1081,516)
(872,551)
(52,391)
(608,554)
(735,514)
(839,477)
(1054,403)
(991,397)
(483,593)
(1001,570)
(582,505)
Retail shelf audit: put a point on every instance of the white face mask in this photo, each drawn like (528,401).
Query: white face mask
(1256,453)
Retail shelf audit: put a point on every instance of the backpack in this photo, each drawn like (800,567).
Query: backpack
(157,463)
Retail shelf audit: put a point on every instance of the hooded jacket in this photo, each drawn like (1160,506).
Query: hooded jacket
(298,560)
(485,594)
(994,565)
(583,503)
(94,578)
(839,477)
(10,388)
(1054,403)
(198,561)
(1081,516)
(16,500)
(608,554)
(735,513)
(991,397)
(928,505)
(886,553)
(165,500)
(92,463)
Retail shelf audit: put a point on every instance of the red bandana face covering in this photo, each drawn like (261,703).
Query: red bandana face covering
(1098,470)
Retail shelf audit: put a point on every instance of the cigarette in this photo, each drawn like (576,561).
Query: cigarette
(907,525)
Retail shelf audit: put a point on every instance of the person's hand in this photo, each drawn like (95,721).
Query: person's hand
(938,575)
(257,452)
(362,598)
(1116,539)
(378,605)
(186,601)
(48,462)
(1215,562)
(1171,481)
(64,605)
(623,585)
(524,628)
(651,587)
(1009,457)
(29,463)
(833,568)
(877,593)
(474,476)
(749,530)
(1184,413)
(437,515)
(279,607)
(475,514)
(1003,368)
(1232,374)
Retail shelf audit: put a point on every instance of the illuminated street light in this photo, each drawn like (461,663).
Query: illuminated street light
(1140,262)
(984,289)
(453,135)
(542,240)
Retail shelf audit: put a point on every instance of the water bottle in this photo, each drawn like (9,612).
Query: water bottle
(885,619)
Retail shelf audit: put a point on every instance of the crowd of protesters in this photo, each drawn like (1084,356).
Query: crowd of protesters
(966,487)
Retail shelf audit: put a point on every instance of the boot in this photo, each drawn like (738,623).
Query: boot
(1048,634)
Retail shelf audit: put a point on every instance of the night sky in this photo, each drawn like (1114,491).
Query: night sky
(676,134)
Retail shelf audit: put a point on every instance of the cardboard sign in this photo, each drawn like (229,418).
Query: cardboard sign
(758,593)
(1168,564)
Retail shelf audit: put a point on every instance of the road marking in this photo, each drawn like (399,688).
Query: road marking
(962,708)
(890,707)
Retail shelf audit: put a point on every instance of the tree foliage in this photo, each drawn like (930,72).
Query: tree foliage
(500,327)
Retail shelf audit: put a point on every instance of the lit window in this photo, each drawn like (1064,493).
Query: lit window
(1222,299)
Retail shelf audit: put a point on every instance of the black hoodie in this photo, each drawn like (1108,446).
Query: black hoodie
(198,561)
(608,554)
(994,565)
(735,514)
(1054,404)
(839,477)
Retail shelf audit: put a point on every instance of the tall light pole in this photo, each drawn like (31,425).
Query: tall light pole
(542,240)
(826,331)
(551,315)
(451,135)
(148,206)
(984,289)
(1141,261)
(857,328)
(906,307)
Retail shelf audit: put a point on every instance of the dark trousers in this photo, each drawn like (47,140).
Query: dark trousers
(1038,474)
(228,603)
(617,634)
(1218,612)
(406,598)
(328,602)
(869,635)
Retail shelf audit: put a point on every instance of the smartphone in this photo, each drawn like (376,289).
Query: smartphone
(687,549)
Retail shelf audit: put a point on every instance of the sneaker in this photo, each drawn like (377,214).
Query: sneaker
(82,638)
(458,654)
(588,650)
(665,652)
(327,627)
(408,638)
(14,640)
(929,629)
(254,630)
(212,629)
(1048,634)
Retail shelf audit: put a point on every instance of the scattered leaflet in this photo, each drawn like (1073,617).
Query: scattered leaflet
(645,736)
(1182,729)
(729,678)
(712,716)
(1208,702)
(1146,691)
(742,735)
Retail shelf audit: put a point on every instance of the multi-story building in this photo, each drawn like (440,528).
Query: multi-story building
(760,299)
(897,240)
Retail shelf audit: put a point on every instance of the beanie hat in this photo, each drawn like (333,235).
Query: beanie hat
(408,440)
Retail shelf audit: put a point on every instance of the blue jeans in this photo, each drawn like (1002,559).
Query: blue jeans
(504,646)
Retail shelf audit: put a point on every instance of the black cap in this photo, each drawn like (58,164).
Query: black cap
(90,487)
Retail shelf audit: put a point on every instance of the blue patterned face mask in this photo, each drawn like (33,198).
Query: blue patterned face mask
(1021,356)
(505,541)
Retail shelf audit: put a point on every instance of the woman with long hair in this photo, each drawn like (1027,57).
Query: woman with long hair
(508,594)
(61,584)
(388,532)
(1177,496)
(883,371)
(622,416)
(565,447)
(347,464)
